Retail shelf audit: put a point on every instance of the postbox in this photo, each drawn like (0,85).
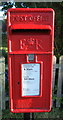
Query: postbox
(30,53)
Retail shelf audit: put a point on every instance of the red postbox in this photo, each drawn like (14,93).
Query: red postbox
(30,52)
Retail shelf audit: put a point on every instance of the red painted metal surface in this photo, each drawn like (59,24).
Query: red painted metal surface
(30,31)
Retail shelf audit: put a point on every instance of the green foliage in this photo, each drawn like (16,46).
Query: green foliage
(7,5)
(3,53)
(55,113)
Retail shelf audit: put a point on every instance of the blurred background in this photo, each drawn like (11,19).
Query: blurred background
(58,51)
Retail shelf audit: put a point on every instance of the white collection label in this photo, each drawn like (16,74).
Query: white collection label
(30,79)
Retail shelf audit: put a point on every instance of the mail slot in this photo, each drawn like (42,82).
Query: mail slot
(30,53)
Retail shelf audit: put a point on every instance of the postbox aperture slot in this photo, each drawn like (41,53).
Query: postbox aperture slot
(44,31)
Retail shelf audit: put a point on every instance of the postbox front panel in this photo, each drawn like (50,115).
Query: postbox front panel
(30,52)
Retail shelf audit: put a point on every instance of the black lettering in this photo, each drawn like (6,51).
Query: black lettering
(31,78)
